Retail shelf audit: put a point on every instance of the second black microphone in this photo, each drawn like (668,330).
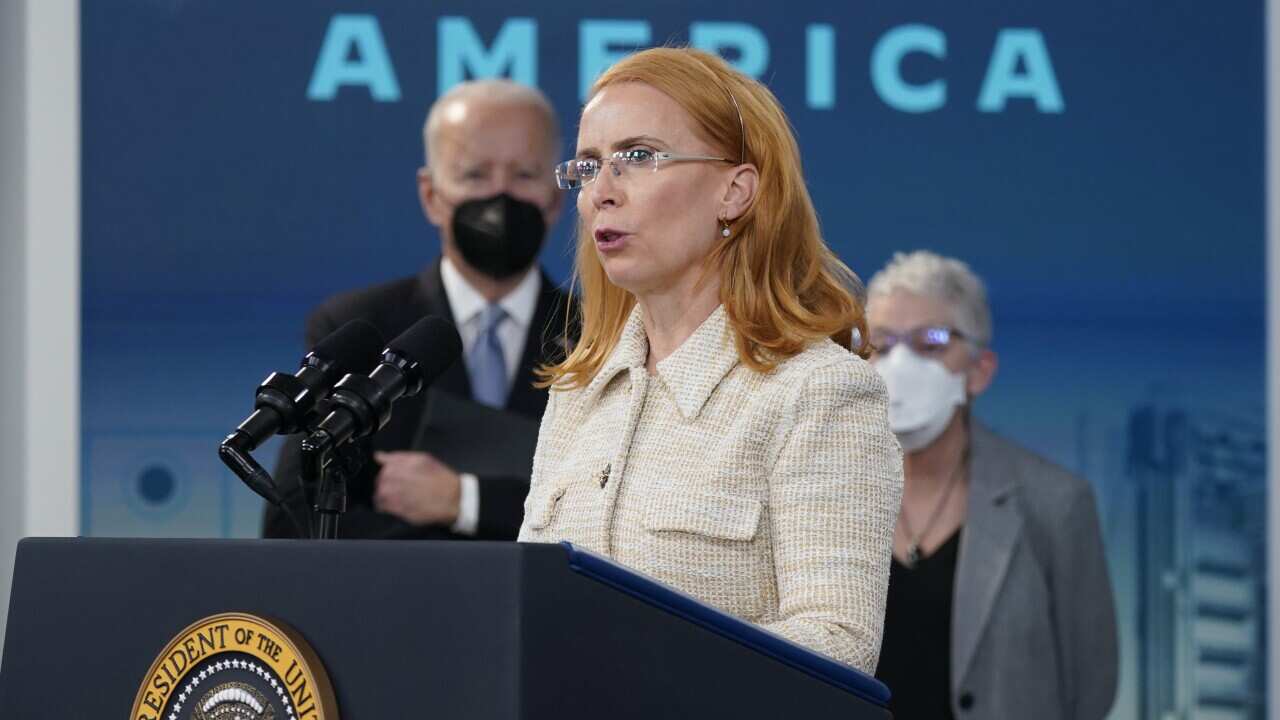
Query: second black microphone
(361,405)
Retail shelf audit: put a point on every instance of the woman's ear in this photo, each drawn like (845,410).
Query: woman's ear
(740,191)
(981,373)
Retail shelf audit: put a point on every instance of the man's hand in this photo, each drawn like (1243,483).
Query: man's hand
(417,488)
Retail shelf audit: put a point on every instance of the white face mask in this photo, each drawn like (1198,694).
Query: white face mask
(923,395)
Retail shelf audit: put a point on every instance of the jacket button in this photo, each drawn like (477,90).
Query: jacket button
(966,701)
(604,475)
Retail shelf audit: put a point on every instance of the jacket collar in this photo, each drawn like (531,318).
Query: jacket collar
(695,369)
(690,374)
(993,530)
(990,477)
(631,351)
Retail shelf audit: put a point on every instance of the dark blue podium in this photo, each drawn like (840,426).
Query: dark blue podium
(429,629)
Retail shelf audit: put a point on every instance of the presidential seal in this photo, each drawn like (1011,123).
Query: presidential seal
(236,666)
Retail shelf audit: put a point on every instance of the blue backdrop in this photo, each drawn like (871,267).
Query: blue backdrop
(1099,163)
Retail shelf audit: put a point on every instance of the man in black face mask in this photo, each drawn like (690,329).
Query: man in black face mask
(488,187)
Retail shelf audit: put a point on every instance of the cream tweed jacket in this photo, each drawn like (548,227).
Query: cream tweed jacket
(772,497)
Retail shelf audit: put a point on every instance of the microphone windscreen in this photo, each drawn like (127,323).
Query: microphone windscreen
(431,342)
(353,348)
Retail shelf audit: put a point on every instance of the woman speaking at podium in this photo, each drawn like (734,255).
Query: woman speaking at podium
(711,428)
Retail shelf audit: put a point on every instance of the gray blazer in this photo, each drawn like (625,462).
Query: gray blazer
(1033,632)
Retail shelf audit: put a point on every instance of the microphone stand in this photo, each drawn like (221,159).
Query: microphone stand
(328,468)
(331,501)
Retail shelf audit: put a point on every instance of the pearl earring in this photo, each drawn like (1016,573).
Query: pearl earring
(724,232)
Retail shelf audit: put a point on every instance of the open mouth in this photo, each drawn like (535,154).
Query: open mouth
(608,239)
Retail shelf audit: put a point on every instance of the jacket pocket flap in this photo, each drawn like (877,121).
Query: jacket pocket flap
(719,516)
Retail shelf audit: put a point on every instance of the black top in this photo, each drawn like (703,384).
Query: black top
(915,656)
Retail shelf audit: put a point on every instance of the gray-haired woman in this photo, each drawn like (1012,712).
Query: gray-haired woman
(999,601)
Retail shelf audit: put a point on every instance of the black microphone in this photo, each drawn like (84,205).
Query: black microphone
(283,401)
(286,403)
(361,404)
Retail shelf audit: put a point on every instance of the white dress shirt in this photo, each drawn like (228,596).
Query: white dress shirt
(468,305)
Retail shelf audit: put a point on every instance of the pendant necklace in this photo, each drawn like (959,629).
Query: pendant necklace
(914,539)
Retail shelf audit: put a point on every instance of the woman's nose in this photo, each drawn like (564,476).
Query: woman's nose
(606,191)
